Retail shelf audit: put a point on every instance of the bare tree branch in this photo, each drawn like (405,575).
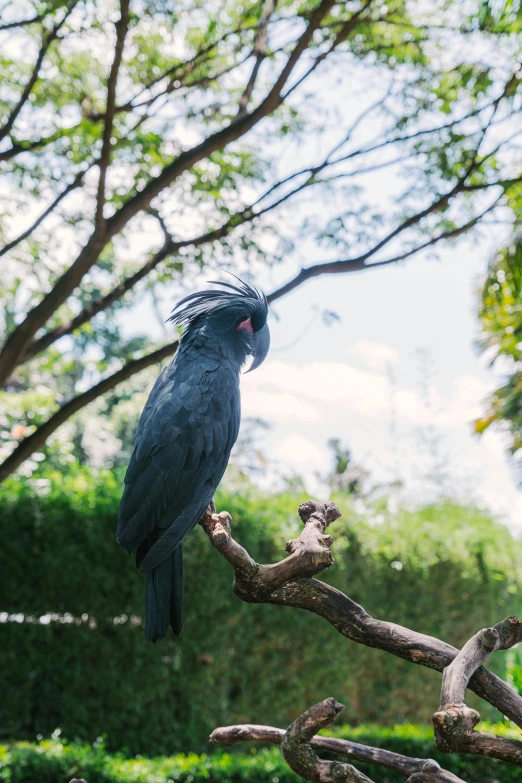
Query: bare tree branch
(77,181)
(289,583)
(257,583)
(20,23)
(454,722)
(360,263)
(105,158)
(259,53)
(247,732)
(33,442)
(300,756)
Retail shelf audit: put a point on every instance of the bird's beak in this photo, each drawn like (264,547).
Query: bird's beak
(261,344)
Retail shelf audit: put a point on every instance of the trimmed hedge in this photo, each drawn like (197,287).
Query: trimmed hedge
(234,662)
(56,761)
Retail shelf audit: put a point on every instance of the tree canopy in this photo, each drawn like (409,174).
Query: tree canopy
(143,142)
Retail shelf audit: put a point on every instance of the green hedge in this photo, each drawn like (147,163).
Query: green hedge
(56,761)
(234,662)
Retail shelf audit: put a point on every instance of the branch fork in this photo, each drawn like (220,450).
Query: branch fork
(309,554)
(454,722)
(300,742)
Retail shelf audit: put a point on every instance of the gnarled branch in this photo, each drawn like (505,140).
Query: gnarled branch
(300,743)
(454,722)
(309,555)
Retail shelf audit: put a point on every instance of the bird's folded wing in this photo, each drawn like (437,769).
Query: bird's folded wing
(184,435)
(193,494)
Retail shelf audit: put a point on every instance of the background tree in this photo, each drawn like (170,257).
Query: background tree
(346,475)
(500,315)
(142,143)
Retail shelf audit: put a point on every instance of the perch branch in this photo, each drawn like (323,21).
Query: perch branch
(289,583)
(454,723)
(308,555)
(299,744)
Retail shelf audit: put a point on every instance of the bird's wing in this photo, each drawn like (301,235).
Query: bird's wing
(183,442)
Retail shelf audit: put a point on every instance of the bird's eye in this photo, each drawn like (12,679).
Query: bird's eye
(243,317)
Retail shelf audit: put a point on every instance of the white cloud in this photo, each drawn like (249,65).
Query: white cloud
(305,391)
(375,355)
(311,402)
(278,405)
(296,450)
(284,391)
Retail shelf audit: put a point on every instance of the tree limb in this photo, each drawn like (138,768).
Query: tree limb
(360,263)
(77,181)
(255,583)
(301,758)
(454,722)
(99,305)
(105,158)
(342,35)
(104,302)
(300,741)
(259,54)
(171,247)
(20,23)
(176,75)
(30,444)
(28,146)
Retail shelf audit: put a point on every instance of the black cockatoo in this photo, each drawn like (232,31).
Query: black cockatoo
(184,438)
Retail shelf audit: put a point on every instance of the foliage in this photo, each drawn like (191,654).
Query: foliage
(73,653)
(57,761)
(122,177)
(101,436)
(501,321)
(346,475)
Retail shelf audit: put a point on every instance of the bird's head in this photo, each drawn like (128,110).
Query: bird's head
(234,319)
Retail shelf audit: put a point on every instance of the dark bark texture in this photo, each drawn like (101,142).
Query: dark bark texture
(290,583)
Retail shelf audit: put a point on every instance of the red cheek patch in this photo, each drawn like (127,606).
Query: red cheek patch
(246,325)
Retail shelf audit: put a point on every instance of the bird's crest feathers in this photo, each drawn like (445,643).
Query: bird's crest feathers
(191,307)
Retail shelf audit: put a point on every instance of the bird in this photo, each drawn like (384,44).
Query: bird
(184,438)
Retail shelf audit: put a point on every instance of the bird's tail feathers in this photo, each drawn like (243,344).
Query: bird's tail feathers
(164,597)
(176,591)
